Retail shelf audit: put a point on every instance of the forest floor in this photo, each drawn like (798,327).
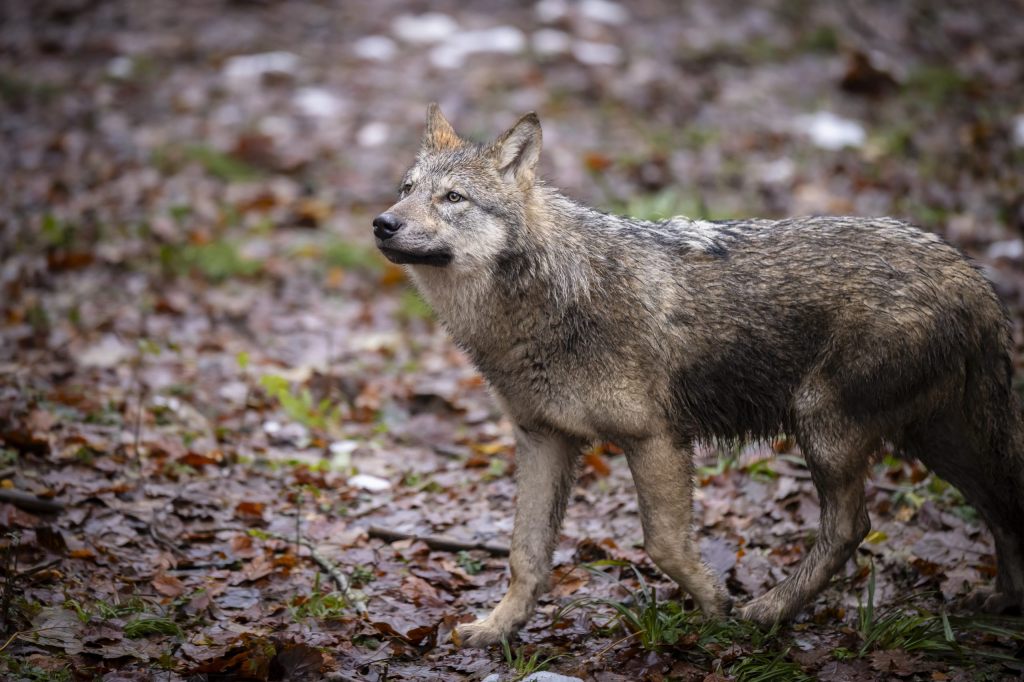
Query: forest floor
(239,407)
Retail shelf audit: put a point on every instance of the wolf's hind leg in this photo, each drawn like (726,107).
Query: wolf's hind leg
(838,464)
(987,466)
(545,471)
(663,475)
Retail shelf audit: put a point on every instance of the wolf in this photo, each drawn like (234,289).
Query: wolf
(849,334)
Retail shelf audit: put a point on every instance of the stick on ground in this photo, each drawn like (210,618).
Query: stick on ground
(436,541)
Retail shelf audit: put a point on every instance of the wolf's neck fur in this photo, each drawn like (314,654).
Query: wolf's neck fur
(545,266)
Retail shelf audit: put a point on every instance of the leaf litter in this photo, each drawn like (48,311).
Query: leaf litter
(249,425)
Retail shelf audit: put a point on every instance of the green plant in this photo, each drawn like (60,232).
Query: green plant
(216,261)
(24,671)
(655,624)
(319,604)
(412,307)
(362,574)
(105,610)
(8,456)
(726,461)
(759,667)
(221,165)
(468,563)
(151,625)
(899,629)
(350,256)
(761,470)
(522,665)
(300,405)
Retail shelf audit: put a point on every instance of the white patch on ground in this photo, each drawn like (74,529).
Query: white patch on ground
(278,128)
(604,11)
(430,27)
(108,352)
(549,11)
(374,484)
(120,67)
(596,54)
(541,676)
(829,131)
(1012,249)
(453,52)
(550,41)
(375,48)
(373,134)
(247,68)
(318,103)
(776,172)
(1018,130)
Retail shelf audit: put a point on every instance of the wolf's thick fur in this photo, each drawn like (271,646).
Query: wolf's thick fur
(848,333)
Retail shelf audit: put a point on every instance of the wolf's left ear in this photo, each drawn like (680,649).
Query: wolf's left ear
(440,134)
(517,151)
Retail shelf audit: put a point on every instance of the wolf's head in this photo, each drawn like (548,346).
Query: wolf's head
(459,202)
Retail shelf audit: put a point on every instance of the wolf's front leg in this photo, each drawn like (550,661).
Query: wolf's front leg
(663,475)
(545,471)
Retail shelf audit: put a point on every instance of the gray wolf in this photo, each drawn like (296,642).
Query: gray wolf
(850,334)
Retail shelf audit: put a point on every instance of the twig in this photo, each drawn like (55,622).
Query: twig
(436,541)
(30,502)
(357,600)
(138,423)
(597,657)
(353,597)
(40,567)
(17,633)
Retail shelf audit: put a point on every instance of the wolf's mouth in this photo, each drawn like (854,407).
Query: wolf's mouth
(435,258)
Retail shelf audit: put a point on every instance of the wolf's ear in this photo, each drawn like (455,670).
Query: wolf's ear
(517,151)
(440,134)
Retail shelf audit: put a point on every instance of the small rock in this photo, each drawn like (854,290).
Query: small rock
(829,131)
(1011,249)
(250,67)
(596,54)
(545,676)
(1018,130)
(109,352)
(604,11)
(501,39)
(549,41)
(549,11)
(291,433)
(375,48)
(318,103)
(372,134)
(120,67)
(374,484)
(431,27)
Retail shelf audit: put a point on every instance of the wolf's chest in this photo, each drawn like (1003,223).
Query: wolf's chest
(584,397)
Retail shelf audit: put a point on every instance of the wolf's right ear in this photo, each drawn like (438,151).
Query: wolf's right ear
(440,134)
(517,151)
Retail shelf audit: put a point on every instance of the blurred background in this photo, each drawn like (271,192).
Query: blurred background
(189,291)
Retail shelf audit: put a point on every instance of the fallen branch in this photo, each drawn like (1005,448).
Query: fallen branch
(354,597)
(30,502)
(436,541)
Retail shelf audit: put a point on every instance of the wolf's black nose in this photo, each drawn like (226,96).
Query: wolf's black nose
(386,225)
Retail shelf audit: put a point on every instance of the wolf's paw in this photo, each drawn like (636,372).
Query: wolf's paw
(479,634)
(766,611)
(986,600)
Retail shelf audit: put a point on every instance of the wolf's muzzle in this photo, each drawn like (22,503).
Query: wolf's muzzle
(386,226)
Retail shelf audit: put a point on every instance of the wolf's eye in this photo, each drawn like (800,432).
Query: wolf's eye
(405,189)
(454,197)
